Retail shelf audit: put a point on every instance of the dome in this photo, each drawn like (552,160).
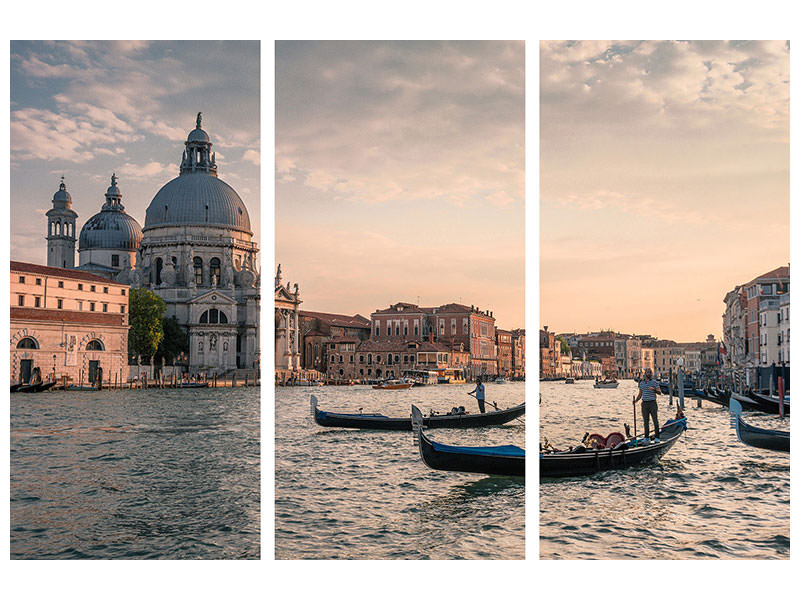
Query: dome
(197,135)
(197,199)
(110,229)
(62,196)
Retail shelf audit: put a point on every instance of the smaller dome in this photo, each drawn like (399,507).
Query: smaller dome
(113,230)
(62,199)
(197,135)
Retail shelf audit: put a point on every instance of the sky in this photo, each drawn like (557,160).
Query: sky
(664,181)
(87,109)
(400,174)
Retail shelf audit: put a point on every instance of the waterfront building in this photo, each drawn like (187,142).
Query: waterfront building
(318,330)
(61,230)
(597,346)
(287,326)
(769,314)
(648,361)
(67,323)
(389,359)
(741,323)
(549,354)
(518,353)
(455,326)
(692,360)
(504,352)
(785,331)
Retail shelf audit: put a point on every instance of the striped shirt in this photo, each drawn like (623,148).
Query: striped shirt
(647,393)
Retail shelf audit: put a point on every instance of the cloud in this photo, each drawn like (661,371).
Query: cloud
(253,156)
(377,123)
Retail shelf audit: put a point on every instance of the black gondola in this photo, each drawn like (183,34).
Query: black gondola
(378,421)
(768,439)
(31,388)
(769,404)
(191,384)
(489,460)
(633,453)
(15,387)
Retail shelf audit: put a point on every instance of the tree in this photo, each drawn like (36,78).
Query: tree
(145,313)
(564,345)
(174,341)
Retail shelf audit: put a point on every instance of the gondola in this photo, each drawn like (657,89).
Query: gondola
(768,439)
(30,388)
(745,401)
(191,384)
(720,398)
(379,421)
(602,385)
(15,387)
(489,460)
(768,404)
(632,453)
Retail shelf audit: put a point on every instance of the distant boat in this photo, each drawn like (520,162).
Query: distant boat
(770,404)
(606,384)
(500,380)
(767,439)
(569,380)
(394,384)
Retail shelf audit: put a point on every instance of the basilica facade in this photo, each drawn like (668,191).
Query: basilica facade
(195,251)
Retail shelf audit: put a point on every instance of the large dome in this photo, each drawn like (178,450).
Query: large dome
(197,199)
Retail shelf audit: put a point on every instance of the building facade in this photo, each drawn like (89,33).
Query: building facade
(287,325)
(67,324)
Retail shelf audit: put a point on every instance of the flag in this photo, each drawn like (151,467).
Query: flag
(721,352)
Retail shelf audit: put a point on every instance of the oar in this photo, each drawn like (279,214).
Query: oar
(634,418)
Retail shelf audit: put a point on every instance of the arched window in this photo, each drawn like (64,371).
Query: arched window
(214,271)
(159,266)
(198,270)
(204,317)
(95,345)
(213,316)
(27,343)
(223,318)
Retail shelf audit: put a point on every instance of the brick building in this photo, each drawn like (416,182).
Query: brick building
(67,323)
(518,353)
(505,352)
(318,330)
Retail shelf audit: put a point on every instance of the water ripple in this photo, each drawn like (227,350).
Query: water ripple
(710,497)
(347,494)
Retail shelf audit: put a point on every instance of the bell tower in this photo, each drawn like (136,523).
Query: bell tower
(61,230)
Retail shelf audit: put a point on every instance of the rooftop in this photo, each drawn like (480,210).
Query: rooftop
(23,267)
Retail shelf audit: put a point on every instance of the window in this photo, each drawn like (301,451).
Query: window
(159,266)
(198,270)
(105,307)
(27,343)
(341,358)
(361,358)
(416,328)
(378,358)
(122,309)
(213,316)
(405,328)
(80,286)
(22,278)
(333,359)
(452,326)
(92,289)
(397,328)
(95,346)
(60,303)
(80,305)
(123,291)
(61,284)
(105,290)
(38,281)
(91,306)
(37,301)
(369,359)
(352,358)
(389,359)
(20,300)
(115,260)
(214,270)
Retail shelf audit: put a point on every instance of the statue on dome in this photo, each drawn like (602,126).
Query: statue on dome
(199,119)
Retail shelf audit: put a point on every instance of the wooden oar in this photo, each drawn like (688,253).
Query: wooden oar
(634,418)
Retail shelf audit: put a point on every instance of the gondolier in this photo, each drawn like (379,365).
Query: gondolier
(479,393)
(648,388)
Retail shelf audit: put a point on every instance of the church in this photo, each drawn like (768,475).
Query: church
(195,251)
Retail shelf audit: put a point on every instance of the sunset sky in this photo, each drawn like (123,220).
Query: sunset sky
(400,174)
(664,181)
(87,109)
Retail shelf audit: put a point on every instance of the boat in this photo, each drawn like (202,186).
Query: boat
(506,460)
(769,404)
(15,387)
(745,401)
(569,380)
(434,421)
(82,388)
(768,439)
(631,453)
(606,384)
(500,380)
(393,385)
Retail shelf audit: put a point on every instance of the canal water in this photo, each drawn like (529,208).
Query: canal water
(170,474)
(709,497)
(353,494)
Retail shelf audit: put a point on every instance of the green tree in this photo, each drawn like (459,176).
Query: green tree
(174,341)
(145,313)
(564,345)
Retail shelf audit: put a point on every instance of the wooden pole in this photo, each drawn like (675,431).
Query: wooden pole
(780,396)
